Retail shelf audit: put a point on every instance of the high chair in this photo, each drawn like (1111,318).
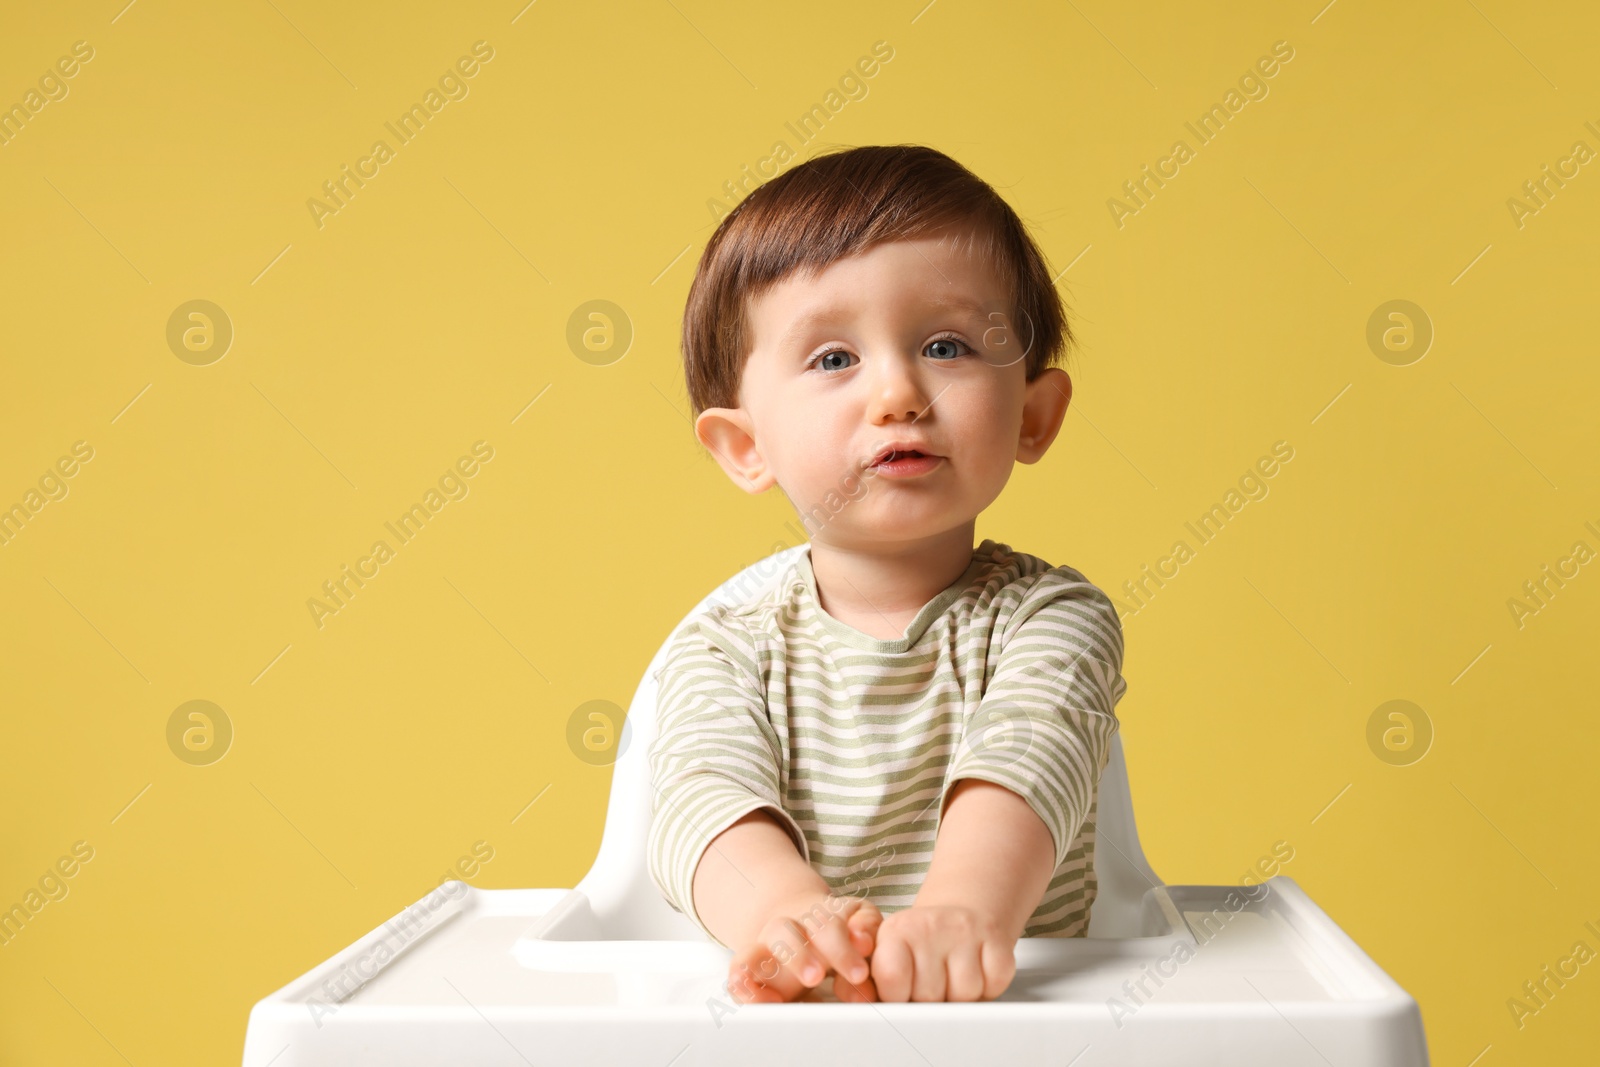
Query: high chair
(608,973)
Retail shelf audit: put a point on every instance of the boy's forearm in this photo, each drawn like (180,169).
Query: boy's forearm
(994,854)
(751,873)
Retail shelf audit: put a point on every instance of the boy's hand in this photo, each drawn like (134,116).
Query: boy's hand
(806,941)
(938,952)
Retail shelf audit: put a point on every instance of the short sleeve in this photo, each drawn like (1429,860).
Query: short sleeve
(1044,726)
(716,757)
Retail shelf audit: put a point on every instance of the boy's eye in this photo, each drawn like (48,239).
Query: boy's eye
(940,348)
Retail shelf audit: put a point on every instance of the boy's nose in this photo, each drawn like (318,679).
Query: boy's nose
(897,391)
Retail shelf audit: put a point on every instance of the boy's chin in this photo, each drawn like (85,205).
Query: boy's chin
(890,531)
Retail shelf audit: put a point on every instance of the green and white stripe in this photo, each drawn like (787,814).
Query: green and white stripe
(1011,675)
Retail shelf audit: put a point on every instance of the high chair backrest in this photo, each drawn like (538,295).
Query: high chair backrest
(630,907)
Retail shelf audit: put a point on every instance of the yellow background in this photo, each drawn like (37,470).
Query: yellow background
(1226,315)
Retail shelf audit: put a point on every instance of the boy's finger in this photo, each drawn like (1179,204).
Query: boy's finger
(757,994)
(999,968)
(756,976)
(848,992)
(833,942)
(864,923)
(964,973)
(928,978)
(745,984)
(806,965)
(743,981)
(892,970)
(866,917)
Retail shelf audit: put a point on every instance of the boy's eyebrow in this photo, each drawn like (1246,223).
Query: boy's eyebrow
(822,316)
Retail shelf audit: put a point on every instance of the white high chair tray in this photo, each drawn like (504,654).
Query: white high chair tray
(525,977)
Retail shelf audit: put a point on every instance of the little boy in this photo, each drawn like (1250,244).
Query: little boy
(885,767)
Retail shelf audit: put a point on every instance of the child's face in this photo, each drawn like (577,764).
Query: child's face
(909,343)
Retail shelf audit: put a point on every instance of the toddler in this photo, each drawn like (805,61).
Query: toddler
(884,768)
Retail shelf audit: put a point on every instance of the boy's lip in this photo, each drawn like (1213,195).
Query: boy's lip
(901,447)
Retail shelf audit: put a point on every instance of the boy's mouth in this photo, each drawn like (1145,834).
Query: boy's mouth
(890,453)
(903,458)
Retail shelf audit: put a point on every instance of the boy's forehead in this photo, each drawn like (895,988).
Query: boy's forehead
(924,274)
(822,313)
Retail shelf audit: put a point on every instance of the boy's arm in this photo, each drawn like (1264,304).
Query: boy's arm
(755,893)
(722,850)
(1044,727)
(1017,796)
(991,864)
(715,760)
(750,870)
(993,855)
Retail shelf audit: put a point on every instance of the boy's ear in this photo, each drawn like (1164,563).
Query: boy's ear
(1043,409)
(728,434)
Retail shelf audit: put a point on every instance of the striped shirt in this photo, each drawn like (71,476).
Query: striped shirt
(1010,675)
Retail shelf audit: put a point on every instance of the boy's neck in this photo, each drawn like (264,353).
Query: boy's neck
(880,588)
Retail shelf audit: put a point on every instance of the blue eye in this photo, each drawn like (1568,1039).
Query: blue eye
(822,360)
(948,348)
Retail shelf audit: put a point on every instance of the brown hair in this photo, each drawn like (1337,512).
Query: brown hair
(838,204)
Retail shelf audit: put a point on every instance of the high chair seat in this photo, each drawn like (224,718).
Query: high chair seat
(609,973)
